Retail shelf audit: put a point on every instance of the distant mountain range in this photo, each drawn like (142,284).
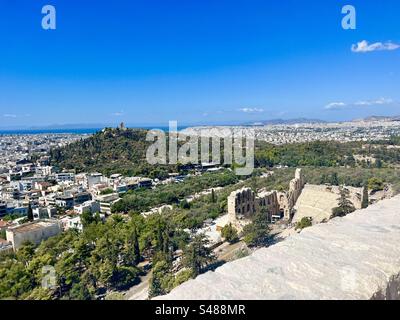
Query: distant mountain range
(305,120)
(283,121)
(380,118)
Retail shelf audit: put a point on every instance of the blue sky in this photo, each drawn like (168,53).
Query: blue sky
(147,62)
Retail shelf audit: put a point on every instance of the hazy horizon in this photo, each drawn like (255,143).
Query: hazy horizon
(72,126)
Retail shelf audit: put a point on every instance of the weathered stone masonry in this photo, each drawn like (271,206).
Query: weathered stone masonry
(244,203)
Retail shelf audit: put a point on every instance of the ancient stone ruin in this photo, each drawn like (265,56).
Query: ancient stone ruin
(287,200)
(244,203)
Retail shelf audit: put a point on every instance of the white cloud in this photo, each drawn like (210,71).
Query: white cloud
(381,101)
(8,115)
(118,114)
(361,103)
(251,110)
(364,46)
(335,106)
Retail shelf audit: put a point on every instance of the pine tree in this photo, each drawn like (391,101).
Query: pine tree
(229,233)
(257,233)
(345,205)
(198,254)
(157,281)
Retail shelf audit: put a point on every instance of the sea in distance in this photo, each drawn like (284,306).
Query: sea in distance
(70,131)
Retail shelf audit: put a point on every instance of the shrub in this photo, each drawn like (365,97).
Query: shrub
(304,223)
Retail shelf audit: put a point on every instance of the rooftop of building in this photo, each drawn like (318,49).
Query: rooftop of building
(3,223)
(31,226)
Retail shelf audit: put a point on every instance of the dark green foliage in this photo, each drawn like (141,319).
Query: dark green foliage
(26,252)
(198,254)
(23,221)
(124,277)
(365,198)
(184,204)
(88,218)
(325,154)
(30,212)
(79,292)
(142,200)
(332,179)
(355,177)
(229,233)
(10,217)
(163,280)
(107,191)
(257,232)
(15,279)
(316,153)
(159,277)
(304,223)
(213,196)
(110,151)
(103,256)
(345,206)
(375,184)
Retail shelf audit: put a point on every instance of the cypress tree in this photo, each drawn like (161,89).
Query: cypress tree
(365,198)
(136,249)
(30,212)
(213,198)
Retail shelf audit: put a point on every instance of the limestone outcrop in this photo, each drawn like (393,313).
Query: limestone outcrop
(317,201)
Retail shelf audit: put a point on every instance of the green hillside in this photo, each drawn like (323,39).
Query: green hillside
(110,151)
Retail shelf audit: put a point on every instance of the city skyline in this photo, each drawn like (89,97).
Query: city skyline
(145,64)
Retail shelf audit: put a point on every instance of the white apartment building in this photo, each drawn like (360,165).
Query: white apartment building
(65,177)
(95,178)
(106,202)
(34,232)
(44,212)
(72,223)
(88,206)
